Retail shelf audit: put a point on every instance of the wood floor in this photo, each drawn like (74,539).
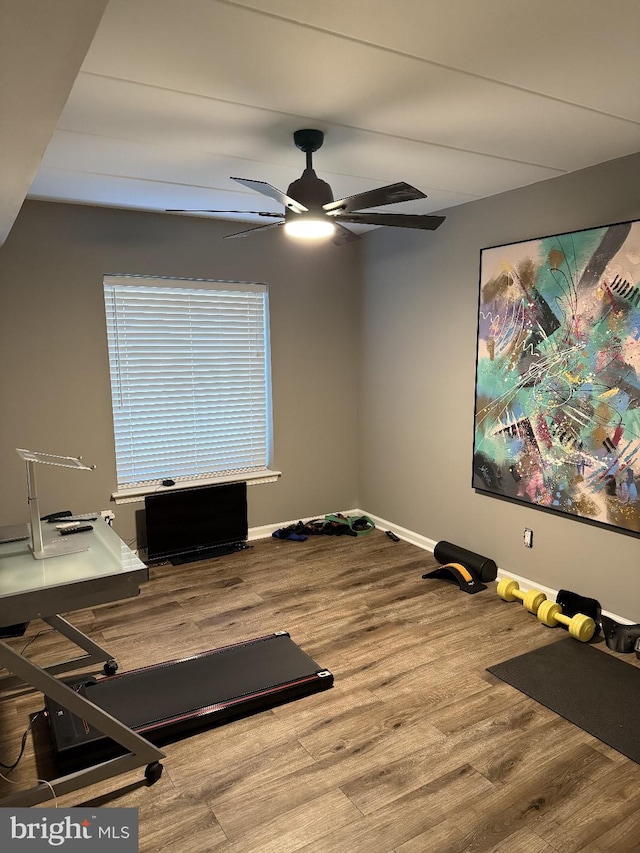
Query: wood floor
(416,748)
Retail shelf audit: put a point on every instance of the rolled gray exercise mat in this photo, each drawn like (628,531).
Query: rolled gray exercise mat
(447,552)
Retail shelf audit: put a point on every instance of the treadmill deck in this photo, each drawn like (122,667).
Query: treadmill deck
(167,701)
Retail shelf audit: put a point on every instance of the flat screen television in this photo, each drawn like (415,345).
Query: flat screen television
(194,524)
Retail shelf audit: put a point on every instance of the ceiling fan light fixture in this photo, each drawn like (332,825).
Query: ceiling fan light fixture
(311,212)
(309,227)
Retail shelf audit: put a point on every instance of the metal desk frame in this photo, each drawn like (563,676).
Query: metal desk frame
(31,589)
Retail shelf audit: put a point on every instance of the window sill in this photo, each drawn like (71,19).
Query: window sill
(128,496)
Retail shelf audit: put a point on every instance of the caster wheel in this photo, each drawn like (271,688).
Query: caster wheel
(110,667)
(153,772)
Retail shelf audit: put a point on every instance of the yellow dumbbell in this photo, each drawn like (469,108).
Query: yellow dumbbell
(580,627)
(510,591)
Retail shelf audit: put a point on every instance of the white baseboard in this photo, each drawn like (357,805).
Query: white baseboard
(267,530)
(408,535)
(526,584)
(427,545)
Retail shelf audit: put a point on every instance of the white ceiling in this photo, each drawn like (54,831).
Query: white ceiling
(460,98)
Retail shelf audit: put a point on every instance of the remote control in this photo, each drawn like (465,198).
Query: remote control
(89,516)
(392,535)
(82,529)
(56,516)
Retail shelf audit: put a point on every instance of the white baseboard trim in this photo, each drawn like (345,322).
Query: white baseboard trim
(526,584)
(423,542)
(427,545)
(407,535)
(266,530)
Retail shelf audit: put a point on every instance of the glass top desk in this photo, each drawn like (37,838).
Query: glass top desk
(42,589)
(31,589)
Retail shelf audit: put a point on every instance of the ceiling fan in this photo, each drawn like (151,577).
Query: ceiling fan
(310,210)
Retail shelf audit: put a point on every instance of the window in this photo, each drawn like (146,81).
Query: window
(190,380)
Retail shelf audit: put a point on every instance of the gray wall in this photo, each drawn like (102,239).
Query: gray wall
(373,384)
(419,314)
(54,381)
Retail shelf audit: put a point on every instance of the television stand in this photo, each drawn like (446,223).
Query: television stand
(208,553)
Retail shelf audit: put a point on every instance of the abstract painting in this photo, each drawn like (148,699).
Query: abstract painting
(557,407)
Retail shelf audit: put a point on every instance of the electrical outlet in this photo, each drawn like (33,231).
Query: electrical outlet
(528,538)
(108,516)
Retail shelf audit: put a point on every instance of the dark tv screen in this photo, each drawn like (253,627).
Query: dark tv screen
(190,520)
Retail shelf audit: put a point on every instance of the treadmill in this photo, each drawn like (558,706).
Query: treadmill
(168,701)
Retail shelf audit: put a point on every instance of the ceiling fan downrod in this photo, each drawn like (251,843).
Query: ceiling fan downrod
(309,189)
(308,140)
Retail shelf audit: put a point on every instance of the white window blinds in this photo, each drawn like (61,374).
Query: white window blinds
(190,378)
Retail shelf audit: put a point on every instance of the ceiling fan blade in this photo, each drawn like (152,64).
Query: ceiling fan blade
(375,198)
(395,220)
(344,235)
(252,230)
(204,210)
(272,192)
